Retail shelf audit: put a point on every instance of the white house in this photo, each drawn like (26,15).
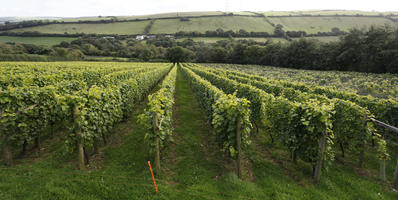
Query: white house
(140,37)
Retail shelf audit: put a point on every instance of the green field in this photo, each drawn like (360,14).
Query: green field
(322,39)
(253,23)
(325,24)
(151,16)
(204,13)
(215,39)
(258,39)
(18,19)
(111,28)
(202,25)
(84,19)
(325,12)
(48,41)
(172,14)
(344,12)
(244,13)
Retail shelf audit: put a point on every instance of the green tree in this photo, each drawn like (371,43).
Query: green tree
(145,54)
(178,54)
(279,32)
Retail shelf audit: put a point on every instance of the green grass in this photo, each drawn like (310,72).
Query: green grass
(152,16)
(191,164)
(340,181)
(48,41)
(344,12)
(257,39)
(204,39)
(244,13)
(323,38)
(111,28)
(202,25)
(172,14)
(215,39)
(93,18)
(325,12)
(192,168)
(325,24)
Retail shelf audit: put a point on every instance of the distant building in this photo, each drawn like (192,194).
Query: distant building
(108,37)
(169,36)
(140,37)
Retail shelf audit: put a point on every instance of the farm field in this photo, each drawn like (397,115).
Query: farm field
(322,39)
(325,24)
(47,41)
(204,24)
(215,39)
(96,18)
(321,21)
(133,17)
(325,12)
(110,28)
(86,130)
(205,13)
(245,13)
(173,14)
(18,19)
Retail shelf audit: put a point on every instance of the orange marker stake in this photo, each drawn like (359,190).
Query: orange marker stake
(153,177)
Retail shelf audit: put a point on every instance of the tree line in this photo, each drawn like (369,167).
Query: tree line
(277,32)
(365,50)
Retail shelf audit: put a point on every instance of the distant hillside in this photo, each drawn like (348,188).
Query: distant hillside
(325,24)
(310,22)
(19,19)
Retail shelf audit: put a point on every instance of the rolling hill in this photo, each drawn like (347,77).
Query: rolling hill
(203,24)
(325,24)
(168,23)
(122,28)
(312,22)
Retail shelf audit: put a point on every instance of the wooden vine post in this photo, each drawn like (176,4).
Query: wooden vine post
(318,167)
(7,151)
(37,143)
(157,141)
(382,164)
(362,152)
(52,124)
(383,170)
(96,146)
(6,146)
(238,146)
(78,142)
(396,177)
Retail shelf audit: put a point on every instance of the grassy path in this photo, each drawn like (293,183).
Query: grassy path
(190,165)
(196,167)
